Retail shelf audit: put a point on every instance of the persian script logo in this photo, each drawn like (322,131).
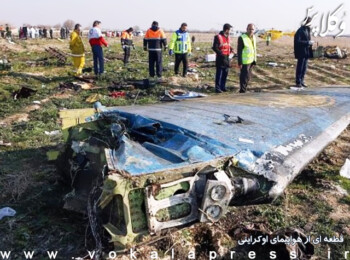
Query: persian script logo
(328,23)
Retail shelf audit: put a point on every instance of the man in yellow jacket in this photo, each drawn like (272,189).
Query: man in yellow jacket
(246,51)
(76,45)
(180,45)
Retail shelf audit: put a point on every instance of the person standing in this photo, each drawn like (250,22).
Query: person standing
(268,39)
(45,32)
(302,51)
(246,51)
(25,32)
(223,49)
(8,32)
(76,45)
(127,43)
(96,41)
(51,33)
(33,33)
(62,33)
(40,33)
(154,40)
(2,31)
(180,44)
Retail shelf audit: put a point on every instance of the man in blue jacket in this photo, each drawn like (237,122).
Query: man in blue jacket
(302,51)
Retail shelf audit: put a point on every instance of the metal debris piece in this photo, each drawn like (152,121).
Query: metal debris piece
(58,54)
(233,119)
(334,52)
(172,158)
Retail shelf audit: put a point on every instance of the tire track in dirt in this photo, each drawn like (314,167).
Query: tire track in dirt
(340,79)
(261,78)
(343,72)
(270,76)
(321,77)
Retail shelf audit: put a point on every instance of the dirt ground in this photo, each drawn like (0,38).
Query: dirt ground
(316,203)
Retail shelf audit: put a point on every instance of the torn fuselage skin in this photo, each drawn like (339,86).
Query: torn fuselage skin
(156,175)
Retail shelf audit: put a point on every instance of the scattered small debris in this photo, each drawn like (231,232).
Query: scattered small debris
(192,70)
(142,84)
(86,86)
(36,63)
(24,92)
(93,98)
(75,86)
(117,94)
(85,78)
(210,57)
(4,144)
(233,119)
(318,52)
(272,64)
(193,76)
(179,94)
(204,87)
(37,102)
(345,169)
(5,64)
(87,70)
(119,86)
(7,212)
(52,133)
(133,70)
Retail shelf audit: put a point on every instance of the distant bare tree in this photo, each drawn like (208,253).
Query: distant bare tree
(69,24)
(57,26)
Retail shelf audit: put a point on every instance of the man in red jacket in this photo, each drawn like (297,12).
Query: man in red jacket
(96,41)
(223,49)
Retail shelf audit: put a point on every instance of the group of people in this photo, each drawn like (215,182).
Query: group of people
(155,43)
(5,32)
(64,32)
(34,32)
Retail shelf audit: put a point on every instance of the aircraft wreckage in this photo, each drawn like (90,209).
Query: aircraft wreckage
(138,170)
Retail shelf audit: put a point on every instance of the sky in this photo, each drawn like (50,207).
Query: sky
(198,14)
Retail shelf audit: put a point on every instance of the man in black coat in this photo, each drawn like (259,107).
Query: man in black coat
(302,51)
